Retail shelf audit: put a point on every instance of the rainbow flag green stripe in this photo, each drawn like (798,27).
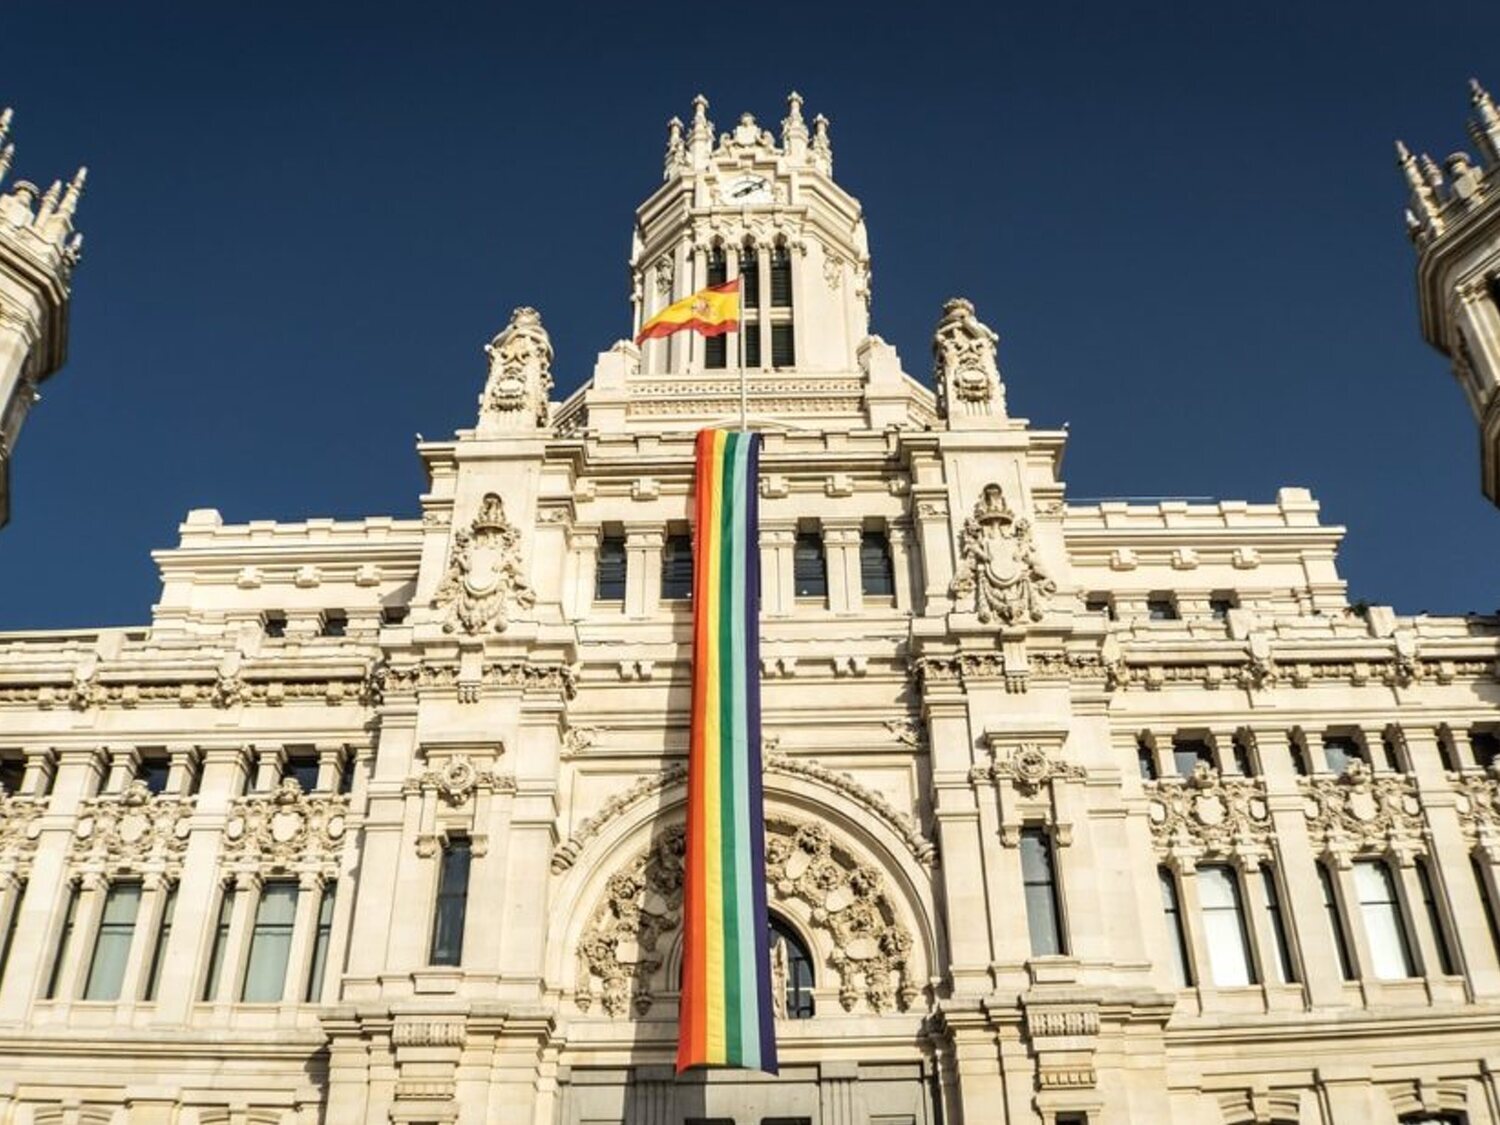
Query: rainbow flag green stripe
(725,1015)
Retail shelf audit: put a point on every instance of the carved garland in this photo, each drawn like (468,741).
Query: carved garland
(1209,816)
(622,951)
(1360,813)
(19,829)
(133,831)
(287,830)
(1479,809)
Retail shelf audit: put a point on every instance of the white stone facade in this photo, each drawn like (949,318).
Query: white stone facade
(38,250)
(1095,813)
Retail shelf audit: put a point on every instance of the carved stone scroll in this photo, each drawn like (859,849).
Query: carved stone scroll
(484,579)
(999,564)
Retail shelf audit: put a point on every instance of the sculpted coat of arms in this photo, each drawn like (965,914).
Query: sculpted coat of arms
(999,564)
(484,575)
(520,379)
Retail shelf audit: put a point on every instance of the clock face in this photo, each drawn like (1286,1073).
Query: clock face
(748,188)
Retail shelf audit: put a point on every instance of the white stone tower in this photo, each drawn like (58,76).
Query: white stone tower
(38,250)
(1454,220)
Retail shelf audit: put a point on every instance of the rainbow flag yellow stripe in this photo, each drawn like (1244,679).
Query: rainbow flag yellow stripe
(711,312)
(725,1015)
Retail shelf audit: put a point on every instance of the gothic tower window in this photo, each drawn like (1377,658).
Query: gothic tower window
(781,278)
(791,973)
(716,348)
(783,340)
(750,299)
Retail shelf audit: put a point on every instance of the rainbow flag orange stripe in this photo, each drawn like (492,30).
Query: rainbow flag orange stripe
(711,312)
(725,1015)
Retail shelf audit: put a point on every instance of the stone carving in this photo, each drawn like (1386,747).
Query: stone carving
(577,739)
(427,676)
(1478,805)
(624,943)
(666,275)
(86,691)
(19,829)
(428,1033)
(484,574)
(286,829)
(1209,815)
(1360,812)
(1044,1023)
(133,831)
(999,564)
(1029,769)
(964,367)
(677,154)
(457,779)
(906,731)
(833,270)
(781,971)
(520,379)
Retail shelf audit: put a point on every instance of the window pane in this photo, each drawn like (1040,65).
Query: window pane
(1435,918)
(1224,927)
(1160,607)
(320,944)
(1336,923)
(1173,912)
(1187,753)
(12,773)
(64,944)
(750,278)
(752,344)
(154,772)
(159,952)
(809,570)
(609,579)
(1287,973)
(783,351)
(876,577)
(1040,887)
(1340,751)
(303,767)
(791,972)
(10,928)
(452,904)
(716,352)
(270,944)
(677,567)
(221,940)
(1390,954)
(781,278)
(1145,760)
(112,944)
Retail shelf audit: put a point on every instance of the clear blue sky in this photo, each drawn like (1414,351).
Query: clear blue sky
(303,222)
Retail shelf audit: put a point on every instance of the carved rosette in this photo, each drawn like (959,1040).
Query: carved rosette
(1029,768)
(1478,806)
(133,831)
(964,365)
(287,830)
(1208,816)
(520,380)
(624,945)
(455,793)
(484,578)
(1359,812)
(998,564)
(20,826)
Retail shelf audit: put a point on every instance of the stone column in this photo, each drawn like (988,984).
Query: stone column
(304,931)
(1267,959)
(70,978)
(184,761)
(957,820)
(933,534)
(1348,904)
(899,538)
(271,760)
(12,887)
(582,579)
(123,763)
(841,557)
(237,948)
(643,545)
(330,766)
(41,767)
(148,918)
(839,1101)
(1191,915)
(526,857)
(777,593)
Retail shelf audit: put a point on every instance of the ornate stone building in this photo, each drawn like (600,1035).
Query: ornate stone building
(1453,218)
(1091,812)
(38,250)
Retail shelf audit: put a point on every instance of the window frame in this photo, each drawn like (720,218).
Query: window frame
(1219,920)
(275,936)
(1042,895)
(451,955)
(608,541)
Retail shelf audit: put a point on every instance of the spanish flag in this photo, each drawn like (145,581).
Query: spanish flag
(711,312)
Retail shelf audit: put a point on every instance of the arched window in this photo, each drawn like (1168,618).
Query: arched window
(716,348)
(791,973)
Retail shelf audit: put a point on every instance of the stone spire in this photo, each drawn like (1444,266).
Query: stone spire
(676,159)
(822,147)
(701,134)
(794,129)
(1486,130)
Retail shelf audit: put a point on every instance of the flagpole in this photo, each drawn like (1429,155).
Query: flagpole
(743,380)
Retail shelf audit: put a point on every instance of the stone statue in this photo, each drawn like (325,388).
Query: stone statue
(964,366)
(999,564)
(520,380)
(780,976)
(484,574)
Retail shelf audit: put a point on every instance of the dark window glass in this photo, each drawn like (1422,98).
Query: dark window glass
(394,614)
(1145,759)
(718,269)
(783,351)
(12,773)
(1100,604)
(791,962)
(159,950)
(1188,753)
(609,574)
(809,568)
(221,941)
(1161,607)
(1486,747)
(1336,922)
(1339,751)
(677,567)
(877,578)
(752,344)
(1491,915)
(304,768)
(273,623)
(1243,764)
(1181,963)
(1446,757)
(1299,755)
(112,942)
(716,352)
(64,940)
(1043,919)
(786,1121)
(321,940)
(750,278)
(252,771)
(270,943)
(1072,1119)
(452,903)
(1435,919)
(335,623)
(1278,926)
(1219,606)
(781,278)
(346,774)
(154,769)
(10,928)
(1390,753)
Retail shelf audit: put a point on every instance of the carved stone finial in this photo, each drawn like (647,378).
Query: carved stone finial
(964,364)
(822,147)
(677,158)
(484,574)
(520,381)
(999,564)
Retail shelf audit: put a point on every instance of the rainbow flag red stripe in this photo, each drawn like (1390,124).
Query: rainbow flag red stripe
(725,1016)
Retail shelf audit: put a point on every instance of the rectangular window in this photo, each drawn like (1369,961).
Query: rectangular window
(1043,918)
(1100,604)
(10,928)
(452,904)
(273,623)
(1181,963)
(321,940)
(1161,607)
(335,623)
(718,266)
(1224,931)
(1145,760)
(752,343)
(1336,922)
(1188,754)
(1485,745)
(783,349)
(1219,606)
(1339,750)
(12,773)
(716,352)
(1277,925)
(154,769)
(1487,900)
(221,942)
(302,766)
(1435,919)
(163,936)
(270,943)
(781,278)
(64,944)
(112,943)
(750,278)
(609,571)
(809,567)
(877,577)
(1380,909)
(677,567)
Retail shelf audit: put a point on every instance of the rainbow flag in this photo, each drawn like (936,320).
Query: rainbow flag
(710,312)
(725,1014)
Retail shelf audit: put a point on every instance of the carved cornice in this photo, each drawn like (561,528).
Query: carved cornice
(424,676)
(216,692)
